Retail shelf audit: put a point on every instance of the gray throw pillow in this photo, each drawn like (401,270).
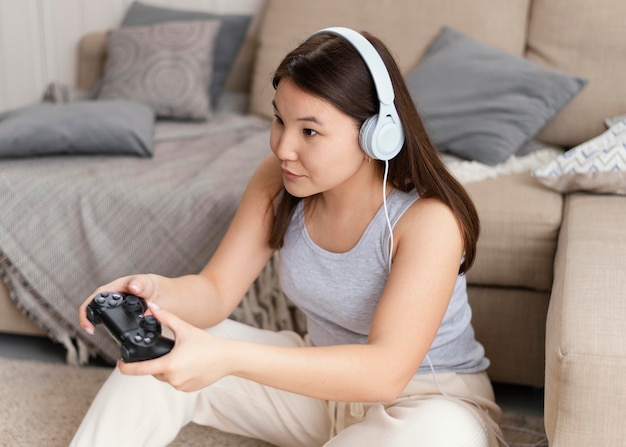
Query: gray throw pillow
(228,42)
(79,128)
(481,103)
(167,65)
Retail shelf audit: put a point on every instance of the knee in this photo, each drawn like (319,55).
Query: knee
(431,422)
(441,423)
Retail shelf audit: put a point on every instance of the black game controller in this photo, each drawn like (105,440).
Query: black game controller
(123,315)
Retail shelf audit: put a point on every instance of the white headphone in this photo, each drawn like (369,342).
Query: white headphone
(381,136)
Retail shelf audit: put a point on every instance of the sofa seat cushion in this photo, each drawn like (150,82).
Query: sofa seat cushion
(407,28)
(520,221)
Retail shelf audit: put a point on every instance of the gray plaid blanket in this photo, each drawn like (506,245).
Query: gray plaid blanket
(69,224)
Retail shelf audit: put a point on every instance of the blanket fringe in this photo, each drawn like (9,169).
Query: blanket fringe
(71,356)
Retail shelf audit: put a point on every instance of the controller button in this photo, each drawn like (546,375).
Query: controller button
(147,340)
(116,296)
(100,300)
(138,338)
(104,294)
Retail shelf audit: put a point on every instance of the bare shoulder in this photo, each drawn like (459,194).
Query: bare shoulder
(426,210)
(431,220)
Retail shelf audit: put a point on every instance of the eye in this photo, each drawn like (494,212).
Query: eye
(309,132)
(278,120)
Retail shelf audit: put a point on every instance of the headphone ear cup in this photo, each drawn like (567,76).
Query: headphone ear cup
(366,136)
(381,139)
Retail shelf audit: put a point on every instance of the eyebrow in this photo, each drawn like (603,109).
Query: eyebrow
(311,119)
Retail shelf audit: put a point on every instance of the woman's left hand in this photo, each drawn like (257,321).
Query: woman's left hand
(197,360)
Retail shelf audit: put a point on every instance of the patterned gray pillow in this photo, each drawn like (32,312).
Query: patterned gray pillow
(167,65)
(228,42)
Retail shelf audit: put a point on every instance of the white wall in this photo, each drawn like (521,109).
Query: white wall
(38,38)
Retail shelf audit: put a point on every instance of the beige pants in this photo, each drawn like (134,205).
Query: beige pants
(142,411)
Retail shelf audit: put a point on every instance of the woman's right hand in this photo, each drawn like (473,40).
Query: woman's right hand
(144,286)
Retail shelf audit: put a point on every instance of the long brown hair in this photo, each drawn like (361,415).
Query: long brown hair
(329,67)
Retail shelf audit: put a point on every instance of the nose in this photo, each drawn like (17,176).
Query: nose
(283,145)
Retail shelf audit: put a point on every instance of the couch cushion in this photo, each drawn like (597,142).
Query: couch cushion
(520,221)
(586,39)
(407,27)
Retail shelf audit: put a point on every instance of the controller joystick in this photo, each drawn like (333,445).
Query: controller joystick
(122,314)
(150,324)
(133,303)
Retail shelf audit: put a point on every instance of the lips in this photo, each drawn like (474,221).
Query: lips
(290,175)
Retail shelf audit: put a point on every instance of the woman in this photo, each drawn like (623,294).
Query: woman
(391,358)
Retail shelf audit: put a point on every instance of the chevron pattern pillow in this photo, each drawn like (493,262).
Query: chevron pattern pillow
(598,165)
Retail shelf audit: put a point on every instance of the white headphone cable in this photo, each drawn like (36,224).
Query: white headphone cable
(386,174)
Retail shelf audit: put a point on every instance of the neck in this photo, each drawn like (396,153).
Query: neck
(362,194)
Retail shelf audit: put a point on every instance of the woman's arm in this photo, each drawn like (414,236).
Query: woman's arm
(427,257)
(207,298)
(243,252)
(424,272)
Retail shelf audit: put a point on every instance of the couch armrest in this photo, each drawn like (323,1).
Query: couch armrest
(91,60)
(585,394)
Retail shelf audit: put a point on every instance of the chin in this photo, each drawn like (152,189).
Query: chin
(301,193)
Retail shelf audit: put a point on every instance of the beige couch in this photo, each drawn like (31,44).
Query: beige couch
(548,286)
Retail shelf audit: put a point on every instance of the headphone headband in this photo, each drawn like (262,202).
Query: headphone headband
(370,56)
(381,135)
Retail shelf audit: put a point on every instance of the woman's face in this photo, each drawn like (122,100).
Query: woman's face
(316,143)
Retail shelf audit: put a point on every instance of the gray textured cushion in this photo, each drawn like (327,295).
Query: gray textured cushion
(86,128)
(481,103)
(227,43)
(167,65)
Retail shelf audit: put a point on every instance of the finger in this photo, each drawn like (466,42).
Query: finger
(153,367)
(83,321)
(140,285)
(168,319)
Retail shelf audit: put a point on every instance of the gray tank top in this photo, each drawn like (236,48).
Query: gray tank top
(339,292)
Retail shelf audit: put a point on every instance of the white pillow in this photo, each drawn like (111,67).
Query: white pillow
(598,165)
